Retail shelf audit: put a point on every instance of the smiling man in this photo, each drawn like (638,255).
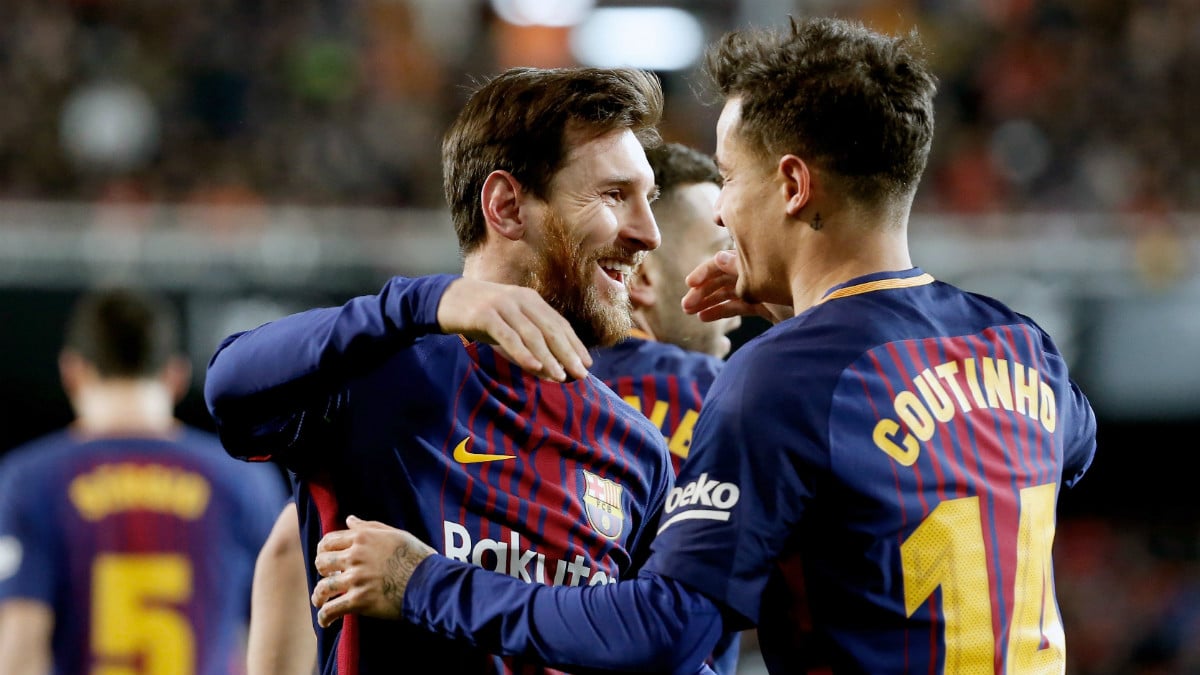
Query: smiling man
(416,407)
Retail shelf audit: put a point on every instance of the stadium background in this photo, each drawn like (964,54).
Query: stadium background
(255,157)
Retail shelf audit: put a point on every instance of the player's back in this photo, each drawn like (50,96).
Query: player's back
(143,547)
(889,459)
(949,422)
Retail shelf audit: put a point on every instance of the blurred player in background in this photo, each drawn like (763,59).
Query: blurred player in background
(896,447)
(127,539)
(398,408)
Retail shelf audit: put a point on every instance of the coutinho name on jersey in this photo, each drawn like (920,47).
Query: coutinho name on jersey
(960,386)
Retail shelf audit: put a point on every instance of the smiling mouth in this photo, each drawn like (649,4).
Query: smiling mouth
(616,270)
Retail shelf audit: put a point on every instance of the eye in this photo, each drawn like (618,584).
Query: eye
(614,196)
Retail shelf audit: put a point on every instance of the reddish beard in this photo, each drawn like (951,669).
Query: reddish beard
(563,275)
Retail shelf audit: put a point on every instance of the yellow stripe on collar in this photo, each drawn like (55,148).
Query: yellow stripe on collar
(879,285)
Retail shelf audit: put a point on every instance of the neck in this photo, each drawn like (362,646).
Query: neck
(642,323)
(849,249)
(125,407)
(489,265)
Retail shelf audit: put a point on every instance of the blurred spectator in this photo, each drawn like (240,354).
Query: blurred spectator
(1044,104)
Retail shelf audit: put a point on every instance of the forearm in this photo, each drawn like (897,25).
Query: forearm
(647,624)
(25,630)
(258,381)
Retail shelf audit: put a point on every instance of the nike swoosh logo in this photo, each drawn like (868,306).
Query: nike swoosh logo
(464,456)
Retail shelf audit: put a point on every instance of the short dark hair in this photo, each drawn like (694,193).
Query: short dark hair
(123,332)
(855,102)
(676,165)
(519,121)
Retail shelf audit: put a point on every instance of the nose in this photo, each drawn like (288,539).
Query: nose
(640,228)
(717,208)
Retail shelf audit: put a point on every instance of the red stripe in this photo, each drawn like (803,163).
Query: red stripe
(920,364)
(887,383)
(321,491)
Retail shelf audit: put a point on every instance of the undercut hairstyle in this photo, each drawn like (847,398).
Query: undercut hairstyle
(677,165)
(523,120)
(852,101)
(122,332)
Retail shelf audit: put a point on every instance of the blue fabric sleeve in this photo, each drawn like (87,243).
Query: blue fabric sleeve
(28,554)
(263,383)
(648,624)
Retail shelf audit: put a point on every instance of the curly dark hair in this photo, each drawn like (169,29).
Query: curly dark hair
(855,102)
(519,122)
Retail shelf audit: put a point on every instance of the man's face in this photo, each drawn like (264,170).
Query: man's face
(693,237)
(749,207)
(596,228)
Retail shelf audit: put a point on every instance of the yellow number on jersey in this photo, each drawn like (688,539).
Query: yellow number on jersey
(132,616)
(947,550)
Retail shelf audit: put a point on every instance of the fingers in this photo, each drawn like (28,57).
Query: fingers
(540,339)
(333,601)
(517,319)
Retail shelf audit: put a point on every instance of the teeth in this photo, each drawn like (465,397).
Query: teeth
(616,266)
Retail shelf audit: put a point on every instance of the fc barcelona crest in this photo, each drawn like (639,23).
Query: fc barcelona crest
(602,504)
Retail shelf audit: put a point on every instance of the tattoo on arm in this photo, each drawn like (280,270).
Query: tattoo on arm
(400,567)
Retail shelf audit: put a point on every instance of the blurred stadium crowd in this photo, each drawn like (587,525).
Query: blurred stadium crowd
(1061,105)
(1045,106)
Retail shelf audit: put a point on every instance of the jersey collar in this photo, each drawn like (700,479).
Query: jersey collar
(878,281)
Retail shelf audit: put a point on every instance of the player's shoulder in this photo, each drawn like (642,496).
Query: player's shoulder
(39,454)
(638,357)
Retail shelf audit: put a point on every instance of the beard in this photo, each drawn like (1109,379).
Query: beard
(563,275)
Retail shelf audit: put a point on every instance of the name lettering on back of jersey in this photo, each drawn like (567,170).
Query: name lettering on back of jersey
(602,504)
(957,387)
(507,557)
(679,441)
(114,488)
(464,456)
(715,498)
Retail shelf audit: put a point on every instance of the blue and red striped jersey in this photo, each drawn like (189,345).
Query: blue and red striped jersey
(895,453)
(666,382)
(143,547)
(382,418)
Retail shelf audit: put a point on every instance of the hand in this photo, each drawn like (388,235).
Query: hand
(365,570)
(712,293)
(520,322)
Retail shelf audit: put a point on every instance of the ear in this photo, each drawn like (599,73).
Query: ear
(643,291)
(501,197)
(73,371)
(176,376)
(797,183)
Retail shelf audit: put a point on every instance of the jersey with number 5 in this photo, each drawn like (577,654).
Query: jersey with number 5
(142,547)
(889,459)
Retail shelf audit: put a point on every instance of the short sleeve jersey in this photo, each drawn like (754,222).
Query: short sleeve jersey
(143,547)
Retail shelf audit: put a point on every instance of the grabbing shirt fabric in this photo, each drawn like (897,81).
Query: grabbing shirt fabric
(379,416)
